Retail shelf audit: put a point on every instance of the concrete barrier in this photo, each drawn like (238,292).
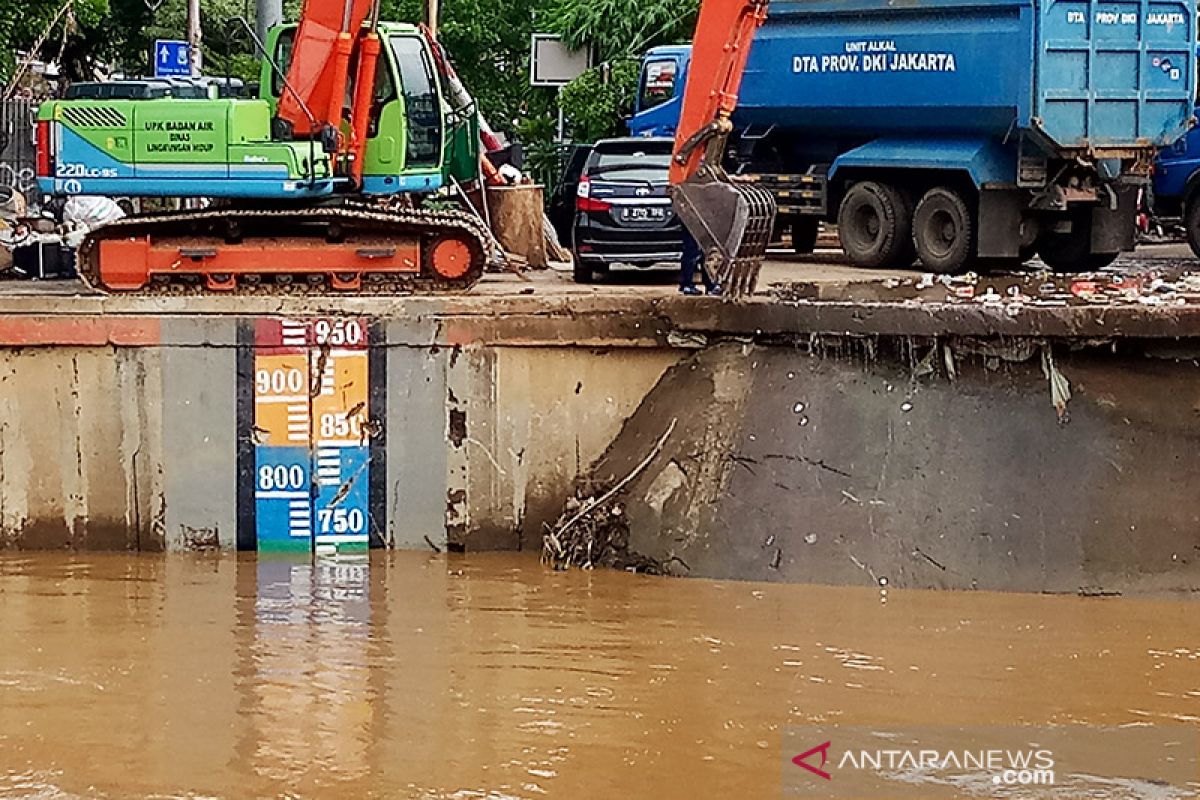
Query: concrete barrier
(128,430)
(928,464)
(898,444)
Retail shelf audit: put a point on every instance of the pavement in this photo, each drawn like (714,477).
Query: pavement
(826,269)
(1151,294)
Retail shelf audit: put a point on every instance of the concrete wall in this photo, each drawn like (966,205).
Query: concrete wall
(929,466)
(81,445)
(125,434)
(932,458)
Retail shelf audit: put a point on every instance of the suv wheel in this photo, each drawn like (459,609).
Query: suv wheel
(582,271)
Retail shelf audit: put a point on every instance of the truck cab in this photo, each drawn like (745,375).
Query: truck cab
(659,101)
(660,91)
(1177,184)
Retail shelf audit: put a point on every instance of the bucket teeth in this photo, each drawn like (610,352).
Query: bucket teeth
(753,248)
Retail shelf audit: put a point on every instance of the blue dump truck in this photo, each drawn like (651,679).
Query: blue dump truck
(955,131)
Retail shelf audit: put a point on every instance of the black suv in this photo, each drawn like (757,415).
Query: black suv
(622,212)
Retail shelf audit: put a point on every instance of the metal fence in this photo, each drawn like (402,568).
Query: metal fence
(17,156)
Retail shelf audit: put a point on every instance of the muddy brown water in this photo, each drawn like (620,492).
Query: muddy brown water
(489,677)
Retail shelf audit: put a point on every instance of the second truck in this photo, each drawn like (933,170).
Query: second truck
(956,132)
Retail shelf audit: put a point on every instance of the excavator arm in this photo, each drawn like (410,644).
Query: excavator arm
(731,221)
(320,63)
(330,34)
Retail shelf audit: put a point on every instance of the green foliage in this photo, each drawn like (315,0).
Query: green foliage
(120,33)
(617,29)
(598,101)
(23,23)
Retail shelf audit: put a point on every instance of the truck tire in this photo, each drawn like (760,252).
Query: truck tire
(804,235)
(943,231)
(875,225)
(1191,222)
(1072,252)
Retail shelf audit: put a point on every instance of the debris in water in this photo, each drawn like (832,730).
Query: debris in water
(1060,387)
(810,538)
(594,529)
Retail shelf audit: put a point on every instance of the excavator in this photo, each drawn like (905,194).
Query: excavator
(329,179)
(731,221)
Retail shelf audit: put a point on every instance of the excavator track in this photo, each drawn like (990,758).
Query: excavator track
(366,231)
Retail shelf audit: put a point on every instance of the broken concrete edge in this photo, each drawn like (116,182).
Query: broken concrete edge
(576,320)
(784,466)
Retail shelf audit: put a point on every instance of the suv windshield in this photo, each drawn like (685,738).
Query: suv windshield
(630,165)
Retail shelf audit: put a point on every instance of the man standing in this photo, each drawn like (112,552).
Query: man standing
(690,263)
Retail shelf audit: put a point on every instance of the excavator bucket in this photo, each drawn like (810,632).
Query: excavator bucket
(732,223)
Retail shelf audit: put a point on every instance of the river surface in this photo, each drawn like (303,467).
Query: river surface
(490,677)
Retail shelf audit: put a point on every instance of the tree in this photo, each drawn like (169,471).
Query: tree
(488,41)
(598,101)
(618,31)
(59,24)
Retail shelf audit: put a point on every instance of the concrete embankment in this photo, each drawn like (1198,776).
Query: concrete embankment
(933,465)
(142,424)
(838,433)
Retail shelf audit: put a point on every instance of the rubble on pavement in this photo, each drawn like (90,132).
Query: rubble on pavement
(1168,284)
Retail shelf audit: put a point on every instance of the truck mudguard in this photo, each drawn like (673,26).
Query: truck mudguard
(986,160)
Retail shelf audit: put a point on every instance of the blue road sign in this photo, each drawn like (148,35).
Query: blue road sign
(171,59)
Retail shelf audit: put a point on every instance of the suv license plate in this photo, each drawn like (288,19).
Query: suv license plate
(644,214)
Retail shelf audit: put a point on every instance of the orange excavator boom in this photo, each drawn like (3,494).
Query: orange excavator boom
(320,65)
(731,221)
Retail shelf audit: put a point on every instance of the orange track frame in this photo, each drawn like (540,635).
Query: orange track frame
(129,264)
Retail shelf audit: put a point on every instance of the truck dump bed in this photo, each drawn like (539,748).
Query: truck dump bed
(1085,74)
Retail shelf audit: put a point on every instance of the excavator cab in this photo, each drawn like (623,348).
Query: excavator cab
(413,136)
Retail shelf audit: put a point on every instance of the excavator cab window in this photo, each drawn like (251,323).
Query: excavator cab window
(658,83)
(283,59)
(385,92)
(422,106)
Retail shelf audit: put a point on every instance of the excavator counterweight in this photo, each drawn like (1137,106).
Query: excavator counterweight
(731,221)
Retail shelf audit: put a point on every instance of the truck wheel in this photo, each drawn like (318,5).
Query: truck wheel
(804,234)
(875,225)
(1072,252)
(1191,222)
(943,231)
